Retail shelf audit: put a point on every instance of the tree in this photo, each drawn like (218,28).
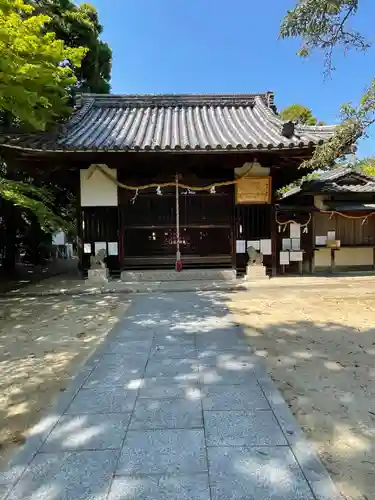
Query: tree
(367,165)
(78,25)
(323,25)
(299,114)
(49,51)
(36,71)
(36,68)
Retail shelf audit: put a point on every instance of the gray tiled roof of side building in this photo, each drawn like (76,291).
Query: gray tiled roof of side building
(175,122)
(328,182)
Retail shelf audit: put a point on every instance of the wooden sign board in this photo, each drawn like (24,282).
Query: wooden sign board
(253,190)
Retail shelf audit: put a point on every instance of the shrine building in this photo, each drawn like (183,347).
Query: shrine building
(161,178)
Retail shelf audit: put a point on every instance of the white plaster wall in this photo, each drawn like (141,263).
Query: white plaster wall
(322,257)
(256,170)
(354,257)
(97,190)
(344,257)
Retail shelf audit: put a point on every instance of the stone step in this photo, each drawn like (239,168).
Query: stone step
(180,286)
(150,276)
(119,286)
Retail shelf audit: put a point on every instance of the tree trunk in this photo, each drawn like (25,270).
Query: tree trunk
(11,218)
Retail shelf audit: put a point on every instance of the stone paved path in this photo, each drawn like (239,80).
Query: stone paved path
(173,406)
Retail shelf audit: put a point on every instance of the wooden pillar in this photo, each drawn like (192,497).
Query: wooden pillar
(11,217)
(234,229)
(274,235)
(120,227)
(80,239)
(333,259)
(121,237)
(311,230)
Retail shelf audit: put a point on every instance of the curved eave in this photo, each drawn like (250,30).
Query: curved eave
(174,124)
(263,148)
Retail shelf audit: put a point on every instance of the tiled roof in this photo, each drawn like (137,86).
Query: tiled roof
(175,122)
(352,207)
(369,187)
(339,180)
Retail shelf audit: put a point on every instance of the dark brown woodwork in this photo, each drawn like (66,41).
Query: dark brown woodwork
(253,222)
(210,223)
(350,232)
(148,220)
(99,224)
(301,217)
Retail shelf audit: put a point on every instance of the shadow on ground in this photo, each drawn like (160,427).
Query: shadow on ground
(181,348)
(42,341)
(321,354)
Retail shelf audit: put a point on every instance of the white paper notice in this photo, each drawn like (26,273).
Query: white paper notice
(331,235)
(266,247)
(100,245)
(240,246)
(296,256)
(287,244)
(87,248)
(284,258)
(320,240)
(254,243)
(58,238)
(69,250)
(113,248)
(295,230)
(296,244)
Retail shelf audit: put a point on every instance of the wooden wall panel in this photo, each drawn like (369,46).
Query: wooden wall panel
(348,231)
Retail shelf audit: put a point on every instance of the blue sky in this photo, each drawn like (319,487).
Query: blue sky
(207,46)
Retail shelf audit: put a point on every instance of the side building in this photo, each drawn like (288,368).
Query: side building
(338,210)
(158,176)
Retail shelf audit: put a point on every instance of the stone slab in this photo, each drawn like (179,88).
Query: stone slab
(88,432)
(184,275)
(134,333)
(166,387)
(209,375)
(231,362)
(167,414)
(173,351)
(172,367)
(316,474)
(103,400)
(4,489)
(129,347)
(176,487)
(234,397)
(215,356)
(242,428)
(243,473)
(38,434)
(163,452)
(67,476)
(116,370)
(169,339)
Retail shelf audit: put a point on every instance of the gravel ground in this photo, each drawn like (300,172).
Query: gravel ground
(319,346)
(43,340)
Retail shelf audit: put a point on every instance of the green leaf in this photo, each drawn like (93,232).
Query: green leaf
(34,81)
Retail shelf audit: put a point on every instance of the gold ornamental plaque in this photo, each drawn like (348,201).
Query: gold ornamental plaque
(253,190)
